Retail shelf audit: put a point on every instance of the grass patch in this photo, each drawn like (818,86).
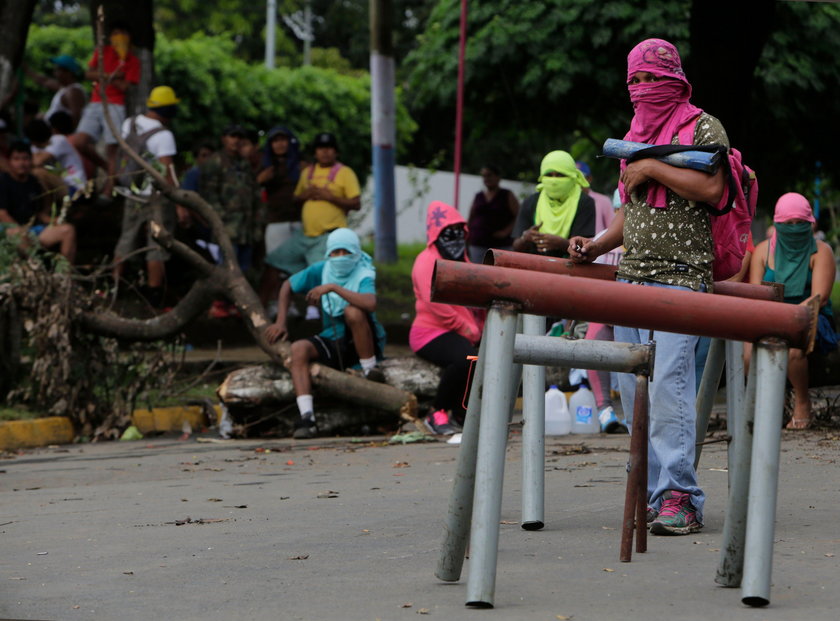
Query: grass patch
(175,396)
(835,298)
(394,291)
(19,413)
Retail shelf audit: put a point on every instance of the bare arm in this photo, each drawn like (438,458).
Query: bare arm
(42,80)
(583,250)
(364,301)
(278,330)
(42,158)
(5,218)
(823,271)
(692,185)
(347,204)
(513,205)
(758,263)
(74,100)
(265,175)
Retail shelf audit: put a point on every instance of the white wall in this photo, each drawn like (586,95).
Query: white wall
(416,188)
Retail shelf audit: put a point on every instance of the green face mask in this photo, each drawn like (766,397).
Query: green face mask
(794,234)
(557,188)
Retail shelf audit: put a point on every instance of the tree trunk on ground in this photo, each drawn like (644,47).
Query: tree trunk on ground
(15,16)
(270,384)
(227,279)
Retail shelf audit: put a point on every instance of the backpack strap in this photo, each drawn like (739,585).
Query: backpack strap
(332,174)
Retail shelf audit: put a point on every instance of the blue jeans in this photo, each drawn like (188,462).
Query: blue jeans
(672,415)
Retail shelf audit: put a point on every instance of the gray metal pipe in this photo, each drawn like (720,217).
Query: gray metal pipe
(739,425)
(533,432)
(771,358)
(499,332)
(456,527)
(581,354)
(707,391)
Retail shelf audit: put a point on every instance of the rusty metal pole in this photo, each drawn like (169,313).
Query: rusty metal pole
(457,524)
(499,332)
(772,292)
(668,310)
(771,358)
(636,491)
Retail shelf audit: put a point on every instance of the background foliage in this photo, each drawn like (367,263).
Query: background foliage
(217,88)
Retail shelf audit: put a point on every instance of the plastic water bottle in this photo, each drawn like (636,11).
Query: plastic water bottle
(584,411)
(558,422)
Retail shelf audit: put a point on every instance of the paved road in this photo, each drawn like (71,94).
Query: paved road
(316,530)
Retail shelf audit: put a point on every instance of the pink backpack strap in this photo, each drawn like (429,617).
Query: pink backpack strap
(332,174)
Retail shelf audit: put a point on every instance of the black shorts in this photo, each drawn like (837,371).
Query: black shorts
(341,354)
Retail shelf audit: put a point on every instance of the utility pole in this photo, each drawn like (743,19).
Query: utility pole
(383,129)
(270,24)
(310,36)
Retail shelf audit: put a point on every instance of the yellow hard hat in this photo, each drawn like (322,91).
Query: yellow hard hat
(162,96)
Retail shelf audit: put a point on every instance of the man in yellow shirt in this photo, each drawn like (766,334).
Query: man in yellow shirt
(328,190)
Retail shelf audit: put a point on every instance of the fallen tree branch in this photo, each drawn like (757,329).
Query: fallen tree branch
(228,280)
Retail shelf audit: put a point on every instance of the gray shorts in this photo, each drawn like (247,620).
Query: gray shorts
(93,122)
(298,253)
(136,216)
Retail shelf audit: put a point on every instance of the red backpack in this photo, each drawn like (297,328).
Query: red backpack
(731,223)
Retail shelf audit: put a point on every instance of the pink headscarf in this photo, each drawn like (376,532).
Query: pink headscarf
(662,108)
(790,206)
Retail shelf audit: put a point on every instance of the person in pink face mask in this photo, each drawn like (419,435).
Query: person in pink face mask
(666,233)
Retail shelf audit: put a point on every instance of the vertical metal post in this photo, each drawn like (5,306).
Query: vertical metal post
(636,492)
(459,100)
(533,434)
(270,25)
(457,525)
(707,391)
(499,331)
(383,129)
(310,33)
(739,424)
(771,358)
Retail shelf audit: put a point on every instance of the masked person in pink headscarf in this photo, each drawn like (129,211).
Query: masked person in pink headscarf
(666,233)
(444,334)
(806,267)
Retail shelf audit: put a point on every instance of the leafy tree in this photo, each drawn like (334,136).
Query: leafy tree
(217,88)
(542,76)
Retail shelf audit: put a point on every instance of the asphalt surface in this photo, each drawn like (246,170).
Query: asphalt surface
(332,529)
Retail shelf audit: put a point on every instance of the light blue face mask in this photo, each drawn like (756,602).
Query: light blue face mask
(343,265)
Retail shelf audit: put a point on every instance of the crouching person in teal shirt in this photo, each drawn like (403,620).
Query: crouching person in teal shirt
(344,285)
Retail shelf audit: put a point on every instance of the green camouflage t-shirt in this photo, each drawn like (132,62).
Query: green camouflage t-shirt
(672,246)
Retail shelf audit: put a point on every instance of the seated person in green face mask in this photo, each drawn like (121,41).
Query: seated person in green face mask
(806,267)
(557,211)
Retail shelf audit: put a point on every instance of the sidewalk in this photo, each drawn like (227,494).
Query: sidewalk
(332,529)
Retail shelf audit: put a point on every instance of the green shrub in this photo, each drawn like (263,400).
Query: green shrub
(216,89)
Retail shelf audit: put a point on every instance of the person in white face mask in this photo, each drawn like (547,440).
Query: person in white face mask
(344,286)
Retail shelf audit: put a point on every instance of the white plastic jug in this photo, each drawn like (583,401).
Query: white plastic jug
(558,422)
(584,411)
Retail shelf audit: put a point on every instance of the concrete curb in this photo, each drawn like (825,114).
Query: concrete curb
(40,432)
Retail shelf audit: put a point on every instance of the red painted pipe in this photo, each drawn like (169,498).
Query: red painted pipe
(567,267)
(615,303)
